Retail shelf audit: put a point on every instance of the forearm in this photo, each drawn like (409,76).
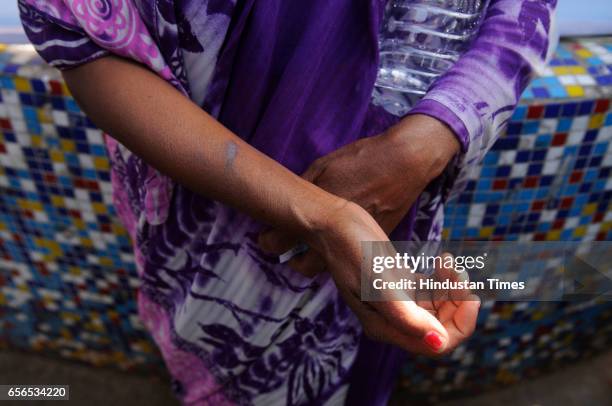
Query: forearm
(178,138)
(477,95)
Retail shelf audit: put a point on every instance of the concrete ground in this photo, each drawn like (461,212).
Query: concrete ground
(585,383)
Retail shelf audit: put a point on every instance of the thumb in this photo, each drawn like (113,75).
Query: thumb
(275,242)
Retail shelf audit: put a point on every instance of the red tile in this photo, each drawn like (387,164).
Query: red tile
(56,87)
(500,184)
(537,205)
(535,112)
(50,178)
(74,213)
(575,177)
(92,185)
(558,224)
(531,181)
(559,139)
(80,183)
(567,202)
(602,106)
(5,124)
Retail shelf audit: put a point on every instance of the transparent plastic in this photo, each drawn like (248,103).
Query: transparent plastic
(419,41)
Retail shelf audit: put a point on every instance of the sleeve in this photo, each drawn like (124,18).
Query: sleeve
(477,96)
(56,35)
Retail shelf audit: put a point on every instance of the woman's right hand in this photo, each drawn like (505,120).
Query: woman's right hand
(426,328)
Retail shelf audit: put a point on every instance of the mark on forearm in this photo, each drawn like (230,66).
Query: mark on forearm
(230,155)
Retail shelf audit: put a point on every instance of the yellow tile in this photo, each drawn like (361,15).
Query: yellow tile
(575,91)
(74,270)
(445,233)
(22,85)
(2,300)
(553,235)
(561,70)
(2,227)
(578,70)
(68,146)
(37,141)
(66,333)
(87,242)
(118,229)
(486,231)
(29,205)
(580,231)
(80,224)
(589,209)
(57,201)
(69,316)
(99,208)
(55,249)
(596,121)
(584,53)
(56,155)
(101,163)
(106,261)
(2,47)
(44,116)
(65,89)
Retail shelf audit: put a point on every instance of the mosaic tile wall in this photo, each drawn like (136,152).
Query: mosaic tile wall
(548,178)
(67,277)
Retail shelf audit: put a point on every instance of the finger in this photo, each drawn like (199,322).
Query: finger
(379,328)
(308,264)
(415,322)
(463,322)
(424,297)
(442,274)
(276,242)
(313,171)
(449,273)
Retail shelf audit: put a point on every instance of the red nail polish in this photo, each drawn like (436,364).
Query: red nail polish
(434,341)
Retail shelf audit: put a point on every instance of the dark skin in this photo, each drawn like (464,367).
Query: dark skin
(383,174)
(177,137)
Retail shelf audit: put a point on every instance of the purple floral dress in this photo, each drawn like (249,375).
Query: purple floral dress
(294,79)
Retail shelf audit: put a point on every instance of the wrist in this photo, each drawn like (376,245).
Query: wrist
(426,143)
(314,209)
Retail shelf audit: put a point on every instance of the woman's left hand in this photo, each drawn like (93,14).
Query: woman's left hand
(383,174)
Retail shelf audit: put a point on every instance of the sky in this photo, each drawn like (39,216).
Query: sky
(574,16)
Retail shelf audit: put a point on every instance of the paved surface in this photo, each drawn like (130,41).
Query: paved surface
(586,383)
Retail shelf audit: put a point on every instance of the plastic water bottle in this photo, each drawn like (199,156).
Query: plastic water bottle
(419,41)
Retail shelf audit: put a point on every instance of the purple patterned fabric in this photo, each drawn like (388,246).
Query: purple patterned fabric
(294,79)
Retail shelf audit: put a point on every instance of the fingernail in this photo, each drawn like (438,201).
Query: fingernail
(434,341)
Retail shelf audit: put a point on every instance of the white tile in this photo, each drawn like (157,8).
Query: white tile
(518,170)
(549,125)
(551,167)
(554,153)
(567,80)
(580,123)
(575,137)
(60,118)
(507,157)
(585,80)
